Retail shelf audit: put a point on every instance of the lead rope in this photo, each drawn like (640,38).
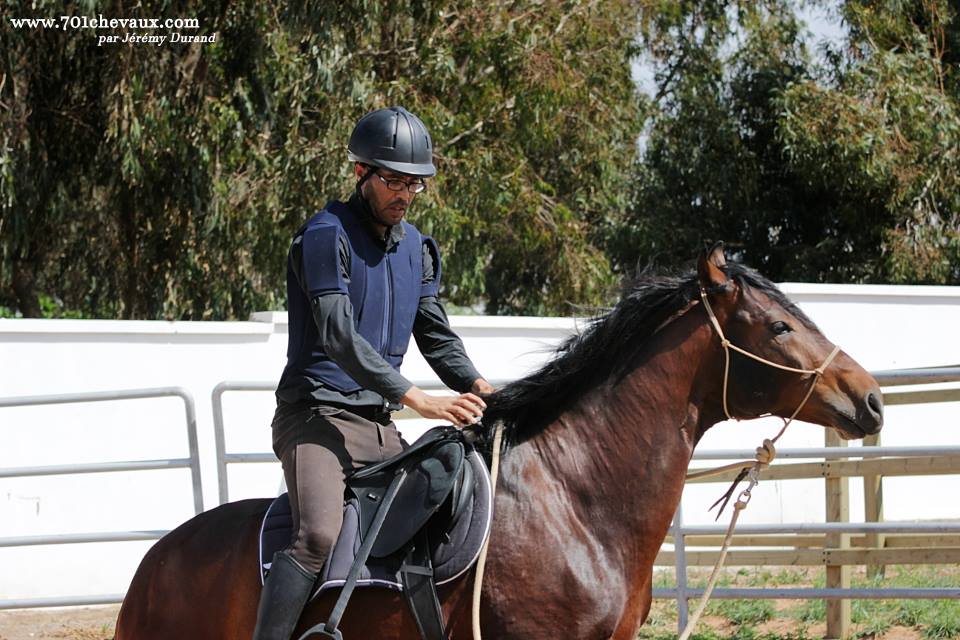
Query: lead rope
(482,560)
(763,459)
(765,454)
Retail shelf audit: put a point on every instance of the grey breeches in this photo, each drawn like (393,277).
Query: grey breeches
(317,447)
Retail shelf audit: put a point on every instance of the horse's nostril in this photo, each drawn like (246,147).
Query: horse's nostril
(875,404)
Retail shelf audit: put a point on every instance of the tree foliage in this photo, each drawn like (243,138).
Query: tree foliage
(891,125)
(837,170)
(166,182)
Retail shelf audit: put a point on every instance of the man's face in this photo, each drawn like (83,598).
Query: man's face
(388,206)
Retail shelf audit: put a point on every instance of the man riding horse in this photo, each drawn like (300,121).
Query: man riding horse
(360,281)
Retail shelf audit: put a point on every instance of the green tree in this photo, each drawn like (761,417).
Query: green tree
(50,123)
(885,136)
(714,167)
(841,171)
(176,176)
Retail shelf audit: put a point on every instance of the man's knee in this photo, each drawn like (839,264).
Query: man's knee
(311,548)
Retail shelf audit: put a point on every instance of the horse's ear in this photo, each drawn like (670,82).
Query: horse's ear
(710,267)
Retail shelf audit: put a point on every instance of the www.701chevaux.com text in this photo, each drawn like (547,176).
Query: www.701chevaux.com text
(141,30)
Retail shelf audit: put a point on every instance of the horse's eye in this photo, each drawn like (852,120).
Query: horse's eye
(780,327)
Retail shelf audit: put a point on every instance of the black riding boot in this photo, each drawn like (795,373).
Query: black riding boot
(285,592)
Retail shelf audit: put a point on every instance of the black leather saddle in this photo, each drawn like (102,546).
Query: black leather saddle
(435,471)
(410,523)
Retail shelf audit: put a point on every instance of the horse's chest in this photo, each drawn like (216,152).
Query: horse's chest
(554,575)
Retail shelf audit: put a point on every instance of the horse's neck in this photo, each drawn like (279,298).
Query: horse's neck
(622,450)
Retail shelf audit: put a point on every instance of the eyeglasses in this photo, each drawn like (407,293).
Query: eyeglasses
(395,184)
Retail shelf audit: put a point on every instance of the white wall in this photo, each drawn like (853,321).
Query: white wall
(883,327)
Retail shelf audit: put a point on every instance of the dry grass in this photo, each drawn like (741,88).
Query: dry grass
(805,619)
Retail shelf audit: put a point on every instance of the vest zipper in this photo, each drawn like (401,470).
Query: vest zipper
(388,330)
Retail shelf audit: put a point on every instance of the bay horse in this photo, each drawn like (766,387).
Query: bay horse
(597,445)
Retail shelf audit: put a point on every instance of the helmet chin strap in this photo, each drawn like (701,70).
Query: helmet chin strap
(369,174)
(363,199)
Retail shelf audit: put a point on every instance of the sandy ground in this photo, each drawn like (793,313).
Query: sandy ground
(75,623)
(96,623)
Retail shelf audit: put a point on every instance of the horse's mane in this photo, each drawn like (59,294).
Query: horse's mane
(606,349)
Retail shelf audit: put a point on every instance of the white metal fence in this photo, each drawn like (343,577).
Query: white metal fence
(192,462)
(682,592)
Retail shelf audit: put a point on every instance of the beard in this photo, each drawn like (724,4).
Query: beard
(389,211)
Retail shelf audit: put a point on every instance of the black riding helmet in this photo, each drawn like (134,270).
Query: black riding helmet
(395,139)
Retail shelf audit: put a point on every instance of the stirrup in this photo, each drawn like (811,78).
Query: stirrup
(334,635)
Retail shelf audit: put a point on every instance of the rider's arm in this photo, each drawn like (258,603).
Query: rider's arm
(441,347)
(443,350)
(334,317)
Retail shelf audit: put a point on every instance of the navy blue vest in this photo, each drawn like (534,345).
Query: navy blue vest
(384,288)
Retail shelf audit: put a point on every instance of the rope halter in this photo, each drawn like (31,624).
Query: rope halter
(749,469)
(727,346)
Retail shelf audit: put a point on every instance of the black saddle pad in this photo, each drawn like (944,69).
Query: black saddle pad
(452,554)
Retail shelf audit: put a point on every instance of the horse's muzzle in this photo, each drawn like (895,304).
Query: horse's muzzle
(870,412)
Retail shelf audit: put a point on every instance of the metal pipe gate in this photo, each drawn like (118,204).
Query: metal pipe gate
(191,462)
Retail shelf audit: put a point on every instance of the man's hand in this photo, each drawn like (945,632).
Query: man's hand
(462,410)
(481,387)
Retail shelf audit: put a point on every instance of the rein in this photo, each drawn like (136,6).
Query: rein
(748,468)
(482,560)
